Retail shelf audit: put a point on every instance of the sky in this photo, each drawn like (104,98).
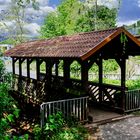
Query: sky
(129,13)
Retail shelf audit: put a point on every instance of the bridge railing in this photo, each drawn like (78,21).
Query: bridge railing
(76,107)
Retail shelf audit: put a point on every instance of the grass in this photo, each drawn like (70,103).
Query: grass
(136,113)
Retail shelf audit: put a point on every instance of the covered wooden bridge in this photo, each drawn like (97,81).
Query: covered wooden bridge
(85,48)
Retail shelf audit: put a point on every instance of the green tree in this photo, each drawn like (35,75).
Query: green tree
(63,20)
(74,16)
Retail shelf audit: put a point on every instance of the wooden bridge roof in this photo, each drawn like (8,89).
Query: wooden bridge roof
(81,45)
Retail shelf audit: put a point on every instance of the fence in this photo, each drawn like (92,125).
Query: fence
(132,101)
(76,107)
(114,76)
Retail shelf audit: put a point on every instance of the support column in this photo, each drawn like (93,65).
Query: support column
(99,62)
(20,88)
(66,69)
(29,61)
(122,64)
(20,67)
(84,76)
(123,79)
(21,60)
(13,65)
(100,65)
(56,68)
(13,70)
(38,63)
(48,76)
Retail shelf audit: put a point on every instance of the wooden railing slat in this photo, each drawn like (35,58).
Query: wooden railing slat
(132,100)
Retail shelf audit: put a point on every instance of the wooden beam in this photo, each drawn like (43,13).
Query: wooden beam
(122,63)
(15,59)
(21,60)
(66,69)
(38,63)
(84,76)
(100,65)
(92,61)
(37,69)
(48,76)
(29,61)
(20,67)
(108,96)
(13,65)
(56,68)
(123,81)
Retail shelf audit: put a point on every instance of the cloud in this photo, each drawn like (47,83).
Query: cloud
(138,3)
(33,29)
(43,2)
(43,10)
(46,9)
(127,22)
(4,2)
(33,17)
(108,3)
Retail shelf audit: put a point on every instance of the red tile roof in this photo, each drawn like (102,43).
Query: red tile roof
(81,45)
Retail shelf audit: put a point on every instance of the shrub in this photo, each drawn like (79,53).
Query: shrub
(58,128)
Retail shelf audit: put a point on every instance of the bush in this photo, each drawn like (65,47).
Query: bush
(133,84)
(57,128)
(8,107)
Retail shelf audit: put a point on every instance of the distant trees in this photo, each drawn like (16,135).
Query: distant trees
(74,16)
(134,28)
(24,3)
(13,20)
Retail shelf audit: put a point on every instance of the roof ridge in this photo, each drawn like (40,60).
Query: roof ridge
(72,35)
(102,30)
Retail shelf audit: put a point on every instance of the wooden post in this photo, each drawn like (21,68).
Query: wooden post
(99,62)
(20,88)
(48,75)
(56,68)
(84,76)
(13,69)
(122,64)
(13,65)
(100,65)
(38,63)
(66,69)
(28,66)
(20,67)
(123,79)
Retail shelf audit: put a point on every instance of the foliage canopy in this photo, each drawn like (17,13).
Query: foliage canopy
(73,16)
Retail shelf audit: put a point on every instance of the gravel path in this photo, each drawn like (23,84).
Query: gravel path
(127,129)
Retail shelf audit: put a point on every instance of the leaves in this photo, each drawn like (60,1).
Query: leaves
(74,16)
(8,108)
(16,112)
(57,128)
(123,39)
(10,118)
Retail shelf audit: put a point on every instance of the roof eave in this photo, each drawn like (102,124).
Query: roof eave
(108,39)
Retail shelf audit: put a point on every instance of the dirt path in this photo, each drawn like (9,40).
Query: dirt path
(127,129)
